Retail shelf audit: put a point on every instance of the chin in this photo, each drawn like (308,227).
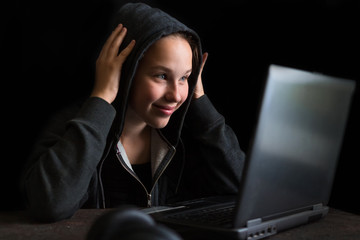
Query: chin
(159,124)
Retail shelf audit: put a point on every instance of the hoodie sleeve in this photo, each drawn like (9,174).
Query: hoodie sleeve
(65,160)
(214,159)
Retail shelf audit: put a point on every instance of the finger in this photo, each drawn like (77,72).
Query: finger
(113,35)
(115,45)
(204,58)
(110,39)
(126,52)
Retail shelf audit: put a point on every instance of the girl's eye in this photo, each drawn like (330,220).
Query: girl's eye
(161,76)
(184,78)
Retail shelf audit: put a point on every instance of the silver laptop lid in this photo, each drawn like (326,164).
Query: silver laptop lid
(296,144)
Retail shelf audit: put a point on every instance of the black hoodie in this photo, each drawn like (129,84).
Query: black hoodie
(202,155)
(147,25)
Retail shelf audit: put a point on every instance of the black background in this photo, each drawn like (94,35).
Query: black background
(49,48)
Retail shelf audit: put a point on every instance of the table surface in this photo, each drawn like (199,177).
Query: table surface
(17,225)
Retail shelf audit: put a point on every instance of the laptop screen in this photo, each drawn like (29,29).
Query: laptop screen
(297,142)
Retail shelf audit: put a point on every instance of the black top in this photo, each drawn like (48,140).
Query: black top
(118,182)
(143,171)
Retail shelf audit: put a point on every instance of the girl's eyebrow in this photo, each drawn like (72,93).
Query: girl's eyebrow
(188,71)
(160,67)
(166,69)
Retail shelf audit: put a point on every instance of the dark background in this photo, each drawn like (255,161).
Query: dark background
(49,48)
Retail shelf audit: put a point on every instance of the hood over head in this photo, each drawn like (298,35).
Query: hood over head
(146,25)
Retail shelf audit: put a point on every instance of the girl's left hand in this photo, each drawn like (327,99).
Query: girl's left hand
(199,89)
(109,64)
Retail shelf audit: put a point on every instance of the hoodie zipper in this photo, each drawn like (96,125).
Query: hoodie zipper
(162,171)
(148,195)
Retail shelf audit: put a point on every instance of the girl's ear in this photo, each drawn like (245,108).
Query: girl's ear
(199,88)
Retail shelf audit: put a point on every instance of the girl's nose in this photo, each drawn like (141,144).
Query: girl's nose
(173,93)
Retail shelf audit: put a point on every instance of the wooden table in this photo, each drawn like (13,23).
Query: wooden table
(17,226)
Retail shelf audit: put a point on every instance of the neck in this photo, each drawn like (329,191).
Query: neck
(134,127)
(136,138)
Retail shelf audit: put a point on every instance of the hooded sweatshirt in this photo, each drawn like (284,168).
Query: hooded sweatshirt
(79,161)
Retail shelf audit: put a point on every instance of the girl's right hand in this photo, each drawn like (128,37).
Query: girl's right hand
(109,64)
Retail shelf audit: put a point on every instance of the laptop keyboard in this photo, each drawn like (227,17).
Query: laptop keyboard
(207,216)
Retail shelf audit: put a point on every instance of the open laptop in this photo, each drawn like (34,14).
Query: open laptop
(290,168)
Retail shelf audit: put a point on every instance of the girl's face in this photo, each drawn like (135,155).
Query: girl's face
(161,81)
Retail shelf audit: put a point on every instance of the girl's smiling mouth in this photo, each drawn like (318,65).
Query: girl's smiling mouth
(164,109)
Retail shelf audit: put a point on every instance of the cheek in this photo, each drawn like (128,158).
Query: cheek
(153,92)
(147,93)
(184,92)
(139,96)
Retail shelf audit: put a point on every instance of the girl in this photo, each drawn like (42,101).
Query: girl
(147,135)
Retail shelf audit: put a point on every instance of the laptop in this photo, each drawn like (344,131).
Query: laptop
(290,167)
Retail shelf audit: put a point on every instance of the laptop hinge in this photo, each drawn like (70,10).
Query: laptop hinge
(318,206)
(253,222)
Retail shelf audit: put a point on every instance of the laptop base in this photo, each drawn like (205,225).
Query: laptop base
(255,228)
